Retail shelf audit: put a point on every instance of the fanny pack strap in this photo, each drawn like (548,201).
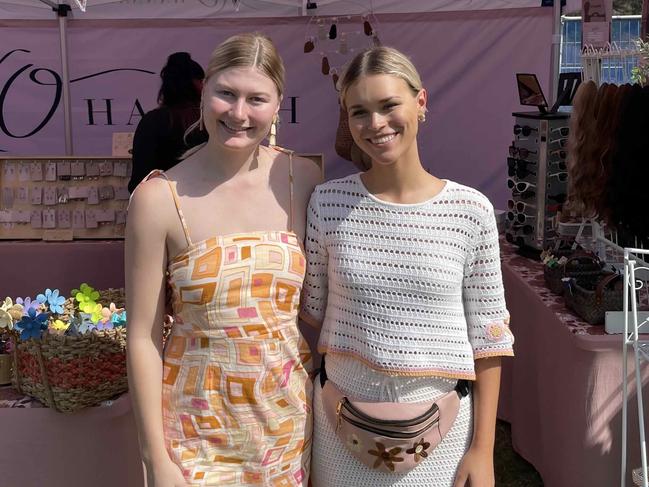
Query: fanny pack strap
(462,387)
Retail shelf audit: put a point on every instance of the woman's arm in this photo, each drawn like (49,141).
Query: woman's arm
(477,466)
(145,262)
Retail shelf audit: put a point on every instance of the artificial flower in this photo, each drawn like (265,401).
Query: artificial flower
(119,319)
(6,321)
(86,325)
(87,297)
(94,312)
(27,303)
(104,325)
(32,324)
(59,325)
(53,300)
(388,457)
(16,310)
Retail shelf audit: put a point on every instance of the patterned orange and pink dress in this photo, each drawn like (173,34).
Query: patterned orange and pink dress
(236,390)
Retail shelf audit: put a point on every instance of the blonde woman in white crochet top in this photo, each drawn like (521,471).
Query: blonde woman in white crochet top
(404,282)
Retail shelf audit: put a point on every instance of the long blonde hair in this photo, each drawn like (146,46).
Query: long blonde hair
(243,51)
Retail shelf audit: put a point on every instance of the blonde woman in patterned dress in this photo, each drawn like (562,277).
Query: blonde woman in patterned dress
(405,285)
(228,400)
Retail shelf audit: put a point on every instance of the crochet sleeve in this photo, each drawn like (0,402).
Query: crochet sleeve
(483,293)
(314,297)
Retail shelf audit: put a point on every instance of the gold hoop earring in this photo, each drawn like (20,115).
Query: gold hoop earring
(272,136)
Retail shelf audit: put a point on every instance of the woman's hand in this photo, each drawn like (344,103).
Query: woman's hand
(476,468)
(165,473)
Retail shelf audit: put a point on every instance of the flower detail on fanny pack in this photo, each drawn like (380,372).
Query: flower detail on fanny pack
(354,442)
(389,457)
(419,450)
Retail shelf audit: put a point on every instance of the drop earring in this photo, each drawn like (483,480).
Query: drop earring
(421,117)
(272,137)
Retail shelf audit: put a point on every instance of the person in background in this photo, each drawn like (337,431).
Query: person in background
(159,139)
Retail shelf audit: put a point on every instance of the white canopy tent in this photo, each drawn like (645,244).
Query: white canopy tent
(115,10)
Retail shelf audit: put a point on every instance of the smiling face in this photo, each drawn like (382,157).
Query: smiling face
(383,116)
(238,107)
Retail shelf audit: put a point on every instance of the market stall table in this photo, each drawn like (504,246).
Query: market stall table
(562,392)
(33,265)
(94,447)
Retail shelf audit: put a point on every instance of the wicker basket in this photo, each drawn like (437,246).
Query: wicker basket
(581,266)
(592,301)
(69,373)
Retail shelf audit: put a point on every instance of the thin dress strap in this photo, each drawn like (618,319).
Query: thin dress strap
(290,184)
(183,222)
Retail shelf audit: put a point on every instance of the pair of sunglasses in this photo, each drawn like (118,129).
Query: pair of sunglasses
(519,186)
(526,229)
(561,154)
(520,152)
(518,163)
(561,142)
(563,131)
(559,164)
(519,217)
(524,130)
(561,176)
(519,206)
(515,239)
(519,172)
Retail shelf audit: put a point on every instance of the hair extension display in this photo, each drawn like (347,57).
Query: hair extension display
(608,158)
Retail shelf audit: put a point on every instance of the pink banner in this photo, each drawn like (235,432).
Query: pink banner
(467,61)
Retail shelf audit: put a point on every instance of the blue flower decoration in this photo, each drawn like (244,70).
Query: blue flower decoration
(32,324)
(86,324)
(53,300)
(119,319)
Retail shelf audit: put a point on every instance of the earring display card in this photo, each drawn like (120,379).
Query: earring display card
(54,198)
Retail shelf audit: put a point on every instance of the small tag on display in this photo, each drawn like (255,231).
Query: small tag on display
(21,195)
(36,171)
(6,216)
(7,197)
(120,217)
(64,219)
(10,172)
(50,171)
(121,193)
(36,195)
(78,219)
(91,219)
(37,219)
(63,170)
(23,172)
(22,216)
(106,168)
(62,195)
(92,169)
(105,216)
(119,169)
(93,195)
(77,192)
(106,193)
(78,169)
(49,218)
(49,196)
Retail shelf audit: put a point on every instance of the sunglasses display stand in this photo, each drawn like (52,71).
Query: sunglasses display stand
(537,178)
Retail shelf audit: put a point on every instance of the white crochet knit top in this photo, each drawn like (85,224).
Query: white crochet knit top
(408,289)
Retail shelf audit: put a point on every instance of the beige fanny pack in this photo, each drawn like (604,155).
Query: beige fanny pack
(388,436)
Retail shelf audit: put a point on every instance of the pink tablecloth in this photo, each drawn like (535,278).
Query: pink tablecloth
(562,393)
(95,447)
(31,266)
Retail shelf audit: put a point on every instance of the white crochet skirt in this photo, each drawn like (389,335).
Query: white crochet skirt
(332,465)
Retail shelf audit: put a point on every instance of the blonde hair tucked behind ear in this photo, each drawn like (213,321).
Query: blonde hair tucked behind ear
(250,50)
(380,60)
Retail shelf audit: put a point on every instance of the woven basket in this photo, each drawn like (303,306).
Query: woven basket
(69,373)
(580,265)
(591,300)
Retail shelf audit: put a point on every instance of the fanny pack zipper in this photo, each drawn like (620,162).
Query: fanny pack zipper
(345,403)
(384,432)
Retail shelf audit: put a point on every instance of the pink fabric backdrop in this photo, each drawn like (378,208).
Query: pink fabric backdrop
(467,61)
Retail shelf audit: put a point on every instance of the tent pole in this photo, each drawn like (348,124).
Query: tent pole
(62,13)
(555,58)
